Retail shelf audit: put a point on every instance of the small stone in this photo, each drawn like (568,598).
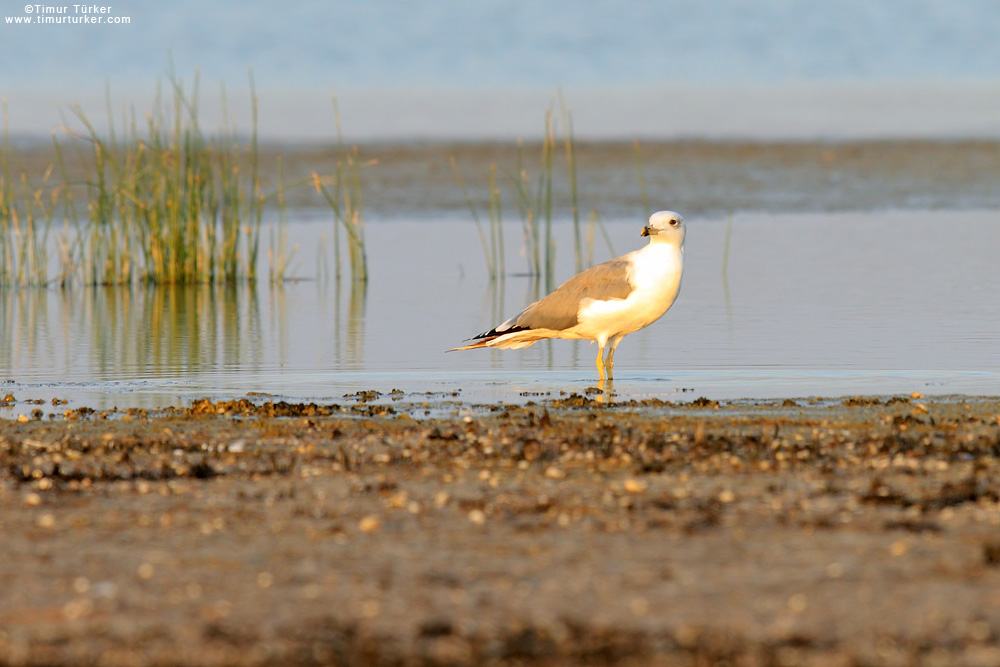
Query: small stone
(638,606)
(75,609)
(916,394)
(370,608)
(979,631)
(477,517)
(635,485)
(369,524)
(686,635)
(798,603)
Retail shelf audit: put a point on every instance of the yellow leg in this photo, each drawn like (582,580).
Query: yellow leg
(610,363)
(600,362)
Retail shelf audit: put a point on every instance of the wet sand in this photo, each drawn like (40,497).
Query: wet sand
(808,531)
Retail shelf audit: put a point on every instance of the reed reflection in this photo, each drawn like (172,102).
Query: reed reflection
(131,332)
(348,320)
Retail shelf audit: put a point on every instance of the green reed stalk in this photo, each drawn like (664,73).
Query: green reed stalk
(336,227)
(545,199)
(360,274)
(725,257)
(496,224)
(25,227)
(491,267)
(97,206)
(525,208)
(69,242)
(347,204)
(257,198)
(231,208)
(44,201)
(571,168)
(23,230)
(7,211)
(278,254)
(528,216)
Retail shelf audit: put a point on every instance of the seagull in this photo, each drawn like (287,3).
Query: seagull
(605,302)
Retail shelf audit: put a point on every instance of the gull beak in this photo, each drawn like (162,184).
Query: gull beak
(645,231)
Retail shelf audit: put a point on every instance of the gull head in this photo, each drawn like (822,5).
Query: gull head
(665,226)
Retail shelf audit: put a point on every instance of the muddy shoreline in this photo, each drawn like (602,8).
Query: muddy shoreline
(847,531)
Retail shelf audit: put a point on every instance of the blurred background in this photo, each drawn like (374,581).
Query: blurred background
(456,69)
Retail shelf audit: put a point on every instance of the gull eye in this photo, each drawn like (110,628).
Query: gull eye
(673,222)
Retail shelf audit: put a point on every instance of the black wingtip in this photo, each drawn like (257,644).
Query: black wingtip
(493,333)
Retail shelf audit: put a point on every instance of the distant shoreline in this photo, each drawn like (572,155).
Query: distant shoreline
(414,179)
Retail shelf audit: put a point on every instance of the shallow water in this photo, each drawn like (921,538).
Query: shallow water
(823,304)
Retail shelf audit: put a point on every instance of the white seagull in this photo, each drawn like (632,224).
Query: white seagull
(605,302)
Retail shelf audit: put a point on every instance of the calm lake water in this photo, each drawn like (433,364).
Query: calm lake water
(827,290)
(811,304)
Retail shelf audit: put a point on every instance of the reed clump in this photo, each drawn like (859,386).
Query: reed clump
(532,194)
(27,211)
(341,189)
(158,200)
(167,203)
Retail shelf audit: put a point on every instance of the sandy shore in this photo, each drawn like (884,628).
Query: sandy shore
(857,531)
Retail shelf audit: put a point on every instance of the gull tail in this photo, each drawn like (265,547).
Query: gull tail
(486,339)
(511,338)
(485,342)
